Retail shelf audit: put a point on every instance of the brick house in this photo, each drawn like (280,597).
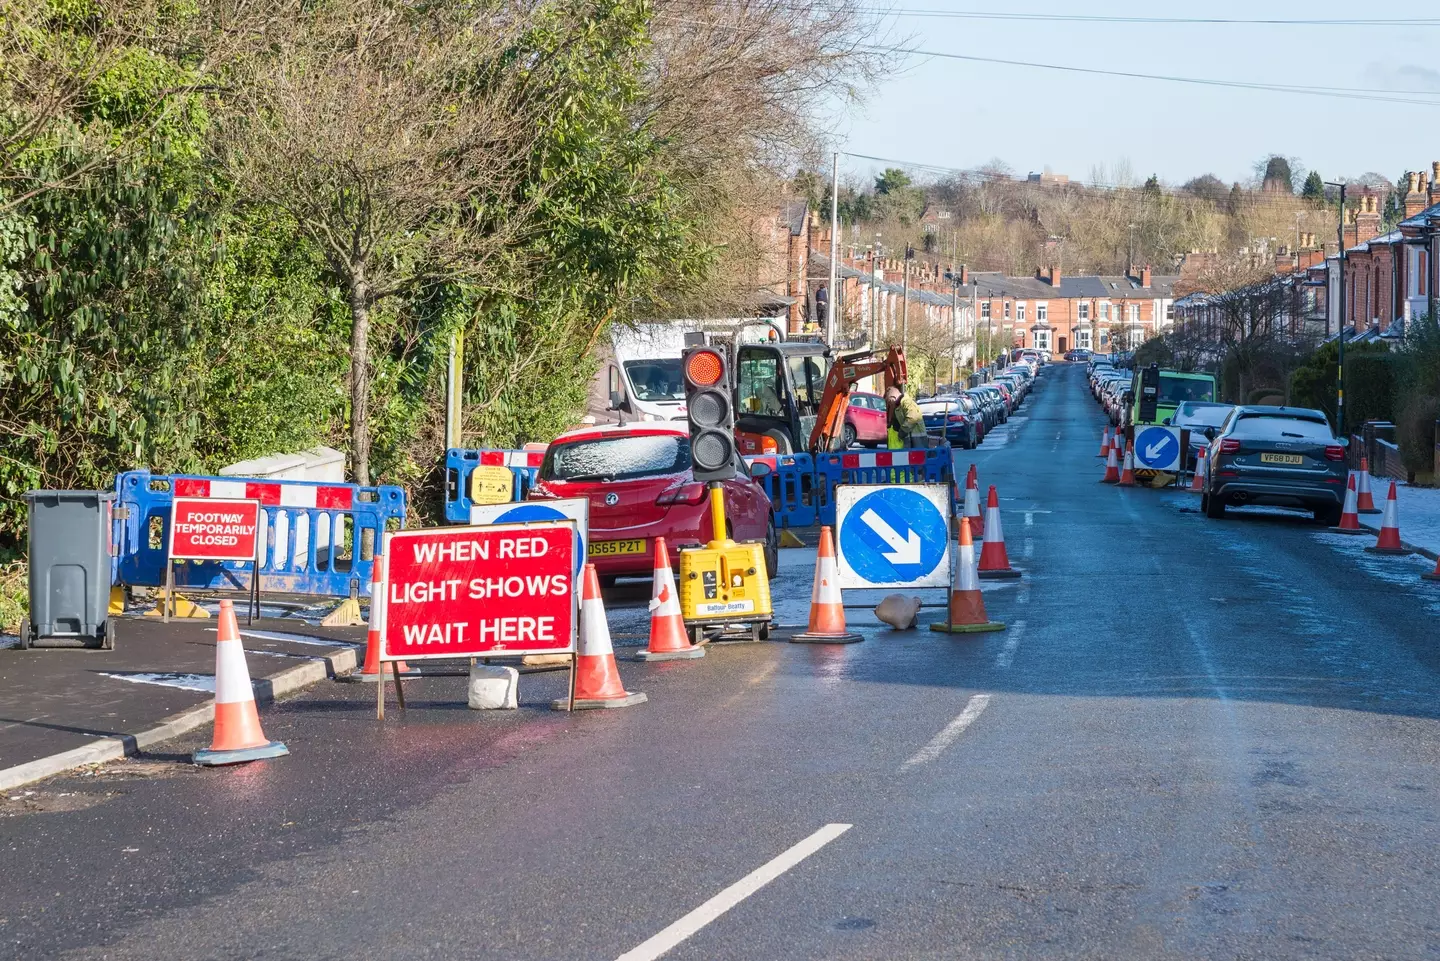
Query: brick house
(1054,312)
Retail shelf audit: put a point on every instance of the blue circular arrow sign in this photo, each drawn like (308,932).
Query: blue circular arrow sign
(894,536)
(539,512)
(1157,448)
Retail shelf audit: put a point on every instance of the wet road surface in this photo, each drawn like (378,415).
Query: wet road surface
(1197,739)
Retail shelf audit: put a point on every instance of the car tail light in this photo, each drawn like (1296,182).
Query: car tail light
(1334,452)
(684,494)
(1229,446)
(957,418)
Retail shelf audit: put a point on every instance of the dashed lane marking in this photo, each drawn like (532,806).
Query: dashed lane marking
(691,923)
(1014,634)
(973,709)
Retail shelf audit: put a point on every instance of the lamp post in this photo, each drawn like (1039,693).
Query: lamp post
(1340,319)
(875,291)
(905,301)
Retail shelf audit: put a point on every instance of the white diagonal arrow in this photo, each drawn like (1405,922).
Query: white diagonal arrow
(1153,451)
(902,550)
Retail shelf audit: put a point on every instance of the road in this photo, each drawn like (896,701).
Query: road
(1197,739)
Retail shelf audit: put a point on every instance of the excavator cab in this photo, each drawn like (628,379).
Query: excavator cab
(778,391)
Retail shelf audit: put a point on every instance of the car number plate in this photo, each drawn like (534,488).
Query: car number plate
(612,548)
(1281,459)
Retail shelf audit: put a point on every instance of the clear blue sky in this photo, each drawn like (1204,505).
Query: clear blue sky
(961,114)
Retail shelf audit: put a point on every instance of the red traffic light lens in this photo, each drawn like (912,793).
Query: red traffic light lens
(704,368)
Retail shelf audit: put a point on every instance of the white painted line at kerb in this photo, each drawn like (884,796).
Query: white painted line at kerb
(1013,636)
(954,729)
(733,895)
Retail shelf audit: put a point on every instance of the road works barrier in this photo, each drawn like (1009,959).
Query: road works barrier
(471,471)
(316,538)
(802,488)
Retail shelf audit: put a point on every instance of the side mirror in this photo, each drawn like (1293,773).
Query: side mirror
(617,400)
(759,470)
(1209,433)
(1166,422)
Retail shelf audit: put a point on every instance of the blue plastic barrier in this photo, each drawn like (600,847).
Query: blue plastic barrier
(797,495)
(460,463)
(802,488)
(319,538)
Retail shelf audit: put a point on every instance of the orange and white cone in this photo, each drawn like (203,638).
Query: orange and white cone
(971,511)
(1349,518)
(1364,499)
(1197,476)
(668,640)
(238,737)
(1389,540)
(1104,443)
(827,606)
(1127,475)
(994,562)
(1112,469)
(967,604)
(373,670)
(597,679)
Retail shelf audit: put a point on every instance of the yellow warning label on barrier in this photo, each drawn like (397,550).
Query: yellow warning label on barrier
(491,485)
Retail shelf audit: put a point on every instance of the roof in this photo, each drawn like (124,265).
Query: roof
(793,215)
(1431,214)
(1392,237)
(1097,287)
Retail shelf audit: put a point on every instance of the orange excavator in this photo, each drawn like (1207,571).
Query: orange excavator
(844,374)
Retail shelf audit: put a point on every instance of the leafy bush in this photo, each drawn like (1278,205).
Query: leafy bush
(1415,432)
(1313,384)
(1370,387)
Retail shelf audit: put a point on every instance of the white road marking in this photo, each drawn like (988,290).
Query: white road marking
(946,737)
(1028,548)
(186,682)
(733,895)
(1029,518)
(292,638)
(1014,634)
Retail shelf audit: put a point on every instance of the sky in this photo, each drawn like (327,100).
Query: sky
(954,113)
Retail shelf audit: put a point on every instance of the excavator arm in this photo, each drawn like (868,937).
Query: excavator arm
(843,376)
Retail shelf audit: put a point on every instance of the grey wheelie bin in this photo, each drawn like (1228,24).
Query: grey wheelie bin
(69,570)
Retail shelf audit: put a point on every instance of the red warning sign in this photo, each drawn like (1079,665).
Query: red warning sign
(467,591)
(213,529)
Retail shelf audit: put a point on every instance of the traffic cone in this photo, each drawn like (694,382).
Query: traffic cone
(597,679)
(1433,575)
(668,641)
(1364,500)
(1112,469)
(1197,477)
(373,670)
(1389,540)
(994,563)
(827,607)
(1104,443)
(967,604)
(972,502)
(1349,519)
(1127,476)
(237,723)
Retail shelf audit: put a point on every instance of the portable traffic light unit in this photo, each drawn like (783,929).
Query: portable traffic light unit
(723,583)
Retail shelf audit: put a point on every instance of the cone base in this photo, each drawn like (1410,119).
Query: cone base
(1369,510)
(1391,551)
(1125,483)
(1110,480)
(1349,530)
(1000,575)
(208,758)
(595,704)
(968,628)
(687,653)
(807,638)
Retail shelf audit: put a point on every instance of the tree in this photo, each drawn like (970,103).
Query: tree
(1314,187)
(893,180)
(1151,190)
(1207,187)
(396,141)
(1277,174)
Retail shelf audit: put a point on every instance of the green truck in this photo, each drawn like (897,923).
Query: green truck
(1155,393)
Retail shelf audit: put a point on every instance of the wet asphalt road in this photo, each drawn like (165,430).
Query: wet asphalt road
(1202,739)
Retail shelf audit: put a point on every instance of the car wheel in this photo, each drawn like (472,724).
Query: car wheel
(1214,506)
(772,549)
(847,436)
(1329,516)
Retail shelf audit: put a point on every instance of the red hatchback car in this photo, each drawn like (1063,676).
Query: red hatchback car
(638,480)
(865,420)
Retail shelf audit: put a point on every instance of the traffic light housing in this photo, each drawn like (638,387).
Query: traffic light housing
(710,410)
(1149,394)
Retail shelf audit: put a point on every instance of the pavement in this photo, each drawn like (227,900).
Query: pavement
(1196,739)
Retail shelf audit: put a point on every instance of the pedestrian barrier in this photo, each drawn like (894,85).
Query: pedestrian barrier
(798,495)
(801,488)
(460,464)
(317,538)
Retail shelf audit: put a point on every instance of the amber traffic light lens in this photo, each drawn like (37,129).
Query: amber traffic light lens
(704,368)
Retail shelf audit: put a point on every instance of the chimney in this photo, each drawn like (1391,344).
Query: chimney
(1367,221)
(964,275)
(1055,277)
(1145,276)
(1435,183)
(1416,199)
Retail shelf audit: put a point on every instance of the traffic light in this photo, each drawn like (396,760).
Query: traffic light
(710,412)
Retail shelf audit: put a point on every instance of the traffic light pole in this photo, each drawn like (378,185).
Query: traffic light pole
(717,514)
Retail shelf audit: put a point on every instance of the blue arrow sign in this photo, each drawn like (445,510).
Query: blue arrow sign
(894,536)
(1157,448)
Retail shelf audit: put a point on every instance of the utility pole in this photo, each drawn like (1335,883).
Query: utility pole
(834,248)
(454,391)
(905,302)
(954,325)
(1340,321)
(875,292)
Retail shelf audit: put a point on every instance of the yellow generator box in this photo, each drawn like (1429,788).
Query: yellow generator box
(724,585)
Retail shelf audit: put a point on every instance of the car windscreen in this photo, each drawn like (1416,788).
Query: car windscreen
(1208,415)
(1175,390)
(616,458)
(656,379)
(1280,427)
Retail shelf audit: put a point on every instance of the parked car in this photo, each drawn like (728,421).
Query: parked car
(950,417)
(638,480)
(865,420)
(990,406)
(1276,456)
(1078,355)
(1195,416)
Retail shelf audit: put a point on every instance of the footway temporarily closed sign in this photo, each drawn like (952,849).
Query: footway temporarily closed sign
(473,591)
(213,529)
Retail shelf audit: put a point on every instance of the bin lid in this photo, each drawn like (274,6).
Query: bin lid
(88,496)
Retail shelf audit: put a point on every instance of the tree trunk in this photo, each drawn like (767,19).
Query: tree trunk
(360,379)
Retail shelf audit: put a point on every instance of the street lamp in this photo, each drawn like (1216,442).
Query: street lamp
(1340,319)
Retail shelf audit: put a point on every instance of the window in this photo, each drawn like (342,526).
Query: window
(617,458)
(1042,340)
(1134,313)
(1170,312)
(760,382)
(1042,311)
(1105,310)
(985,310)
(656,380)
(1020,311)
(1007,310)
(1082,339)
(1084,312)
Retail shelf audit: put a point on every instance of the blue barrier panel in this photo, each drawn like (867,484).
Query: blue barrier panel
(318,538)
(802,488)
(460,463)
(793,488)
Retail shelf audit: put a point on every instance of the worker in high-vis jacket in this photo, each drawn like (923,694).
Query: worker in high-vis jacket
(907,424)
